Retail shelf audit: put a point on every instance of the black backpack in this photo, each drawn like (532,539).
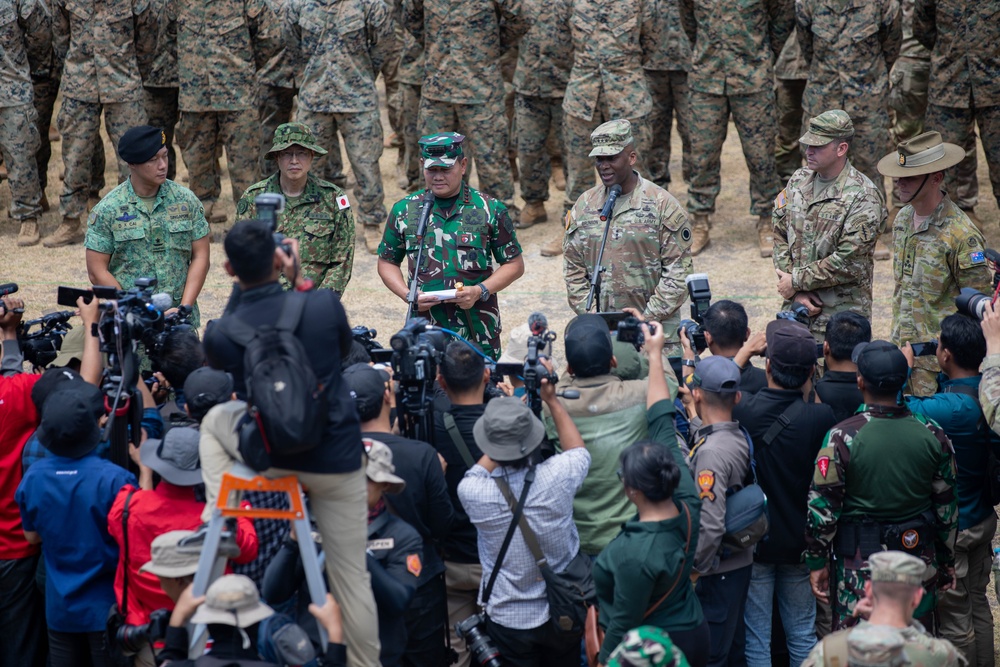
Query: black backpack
(287,405)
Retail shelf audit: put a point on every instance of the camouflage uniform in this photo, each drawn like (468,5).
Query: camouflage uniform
(852,490)
(219,45)
(463,242)
(411,77)
(790,74)
(320,218)
(463,89)
(543,64)
(390,68)
(160,86)
(347,44)
(919,648)
(850,49)
(908,82)
(734,46)
(648,646)
(964,85)
(607,80)
(989,391)
(121,226)
(931,264)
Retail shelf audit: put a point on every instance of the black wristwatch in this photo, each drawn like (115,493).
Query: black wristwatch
(485,292)
(691,363)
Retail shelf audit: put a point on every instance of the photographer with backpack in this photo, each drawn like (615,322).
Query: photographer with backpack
(295,416)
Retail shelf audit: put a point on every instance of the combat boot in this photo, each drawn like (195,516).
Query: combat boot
(558,176)
(218,218)
(764,235)
(699,233)
(534,212)
(29,233)
(553,248)
(373,236)
(67,233)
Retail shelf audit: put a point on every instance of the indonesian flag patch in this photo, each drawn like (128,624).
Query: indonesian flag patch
(823,463)
(343,202)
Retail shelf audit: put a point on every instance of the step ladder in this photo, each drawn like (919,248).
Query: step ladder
(211,565)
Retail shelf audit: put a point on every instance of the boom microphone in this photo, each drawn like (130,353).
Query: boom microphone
(8,288)
(537,323)
(609,205)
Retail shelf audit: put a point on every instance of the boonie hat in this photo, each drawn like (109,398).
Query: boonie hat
(380,467)
(205,388)
(881,364)
(925,153)
(70,349)
(647,646)
(875,646)
(232,599)
(896,567)
(293,134)
(140,144)
(175,456)
(790,344)
(69,422)
(508,431)
(826,127)
(367,384)
(588,345)
(167,561)
(716,374)
(441,150)
(611,138)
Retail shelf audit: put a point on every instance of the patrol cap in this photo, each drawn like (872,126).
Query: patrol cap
(588,345)
(140,144)
(611,138)
(717,375)
(826,127)
(875,646)
(925,153)
(896,567)
(380,467)
(167,560)
(881,364)
(790,344)
(647,646)
(367,385)
(293,134)
(441,150)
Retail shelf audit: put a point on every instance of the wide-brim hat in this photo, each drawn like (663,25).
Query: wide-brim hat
(508,430)
(293,134)
(380,468)
(175,456)
(167,560)
(232,600)
(925,153)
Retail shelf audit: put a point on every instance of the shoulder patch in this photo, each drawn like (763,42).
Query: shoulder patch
(706,481)
(343,202)
(684,236)
(977,257)
(826,470)
(568,220)
(413,565)
(781,200)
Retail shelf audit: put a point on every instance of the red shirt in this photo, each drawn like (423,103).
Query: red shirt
(153,513)
(18,420)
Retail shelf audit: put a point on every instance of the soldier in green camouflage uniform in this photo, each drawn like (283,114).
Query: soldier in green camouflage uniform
(884,479)
(734,47)
(149,227)
(935,253)
(647,256)
(101,45)
(790,75)
(892,572)
(344,45)
(647,646)
(317,212)
(825,229)
(850,50)
(545,57)
(467,231)
(160,86)
(964,85)
(667,66)
(25,40)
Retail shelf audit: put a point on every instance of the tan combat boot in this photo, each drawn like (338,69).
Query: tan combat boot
(67,233)
(218,218)
(699,232)
(553,248)
(373,236)
(29,233)
(558,176)
(764,235)
(534,212)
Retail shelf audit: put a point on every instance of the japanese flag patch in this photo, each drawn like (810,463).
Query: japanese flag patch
(343,202)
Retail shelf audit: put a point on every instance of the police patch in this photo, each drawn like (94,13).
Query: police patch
(706,480)
(413,565)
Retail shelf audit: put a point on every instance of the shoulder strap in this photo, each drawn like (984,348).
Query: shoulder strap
(791,413)
(460,444)
(529,535)
(125,512)
(518,510)
(962,389)
(835,651)
(680,572)
(291,311)
(235,330)
(242,333)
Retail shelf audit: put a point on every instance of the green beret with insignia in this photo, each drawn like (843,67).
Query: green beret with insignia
(441,150)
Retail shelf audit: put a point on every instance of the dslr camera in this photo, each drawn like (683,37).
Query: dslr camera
(796,313)
(701,298)
(132,638)
(973,302)
(484,651)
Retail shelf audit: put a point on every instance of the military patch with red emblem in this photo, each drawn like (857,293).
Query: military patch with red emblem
(413,565)
(823,463)
(706,480)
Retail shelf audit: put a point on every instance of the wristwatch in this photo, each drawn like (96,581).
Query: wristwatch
(485,292)
(689,362)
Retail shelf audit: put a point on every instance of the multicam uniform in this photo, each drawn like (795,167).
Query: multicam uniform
(989,391)
(828,243)
(922,649)
(931,264)
(459,246)
(321,219)
(884,479)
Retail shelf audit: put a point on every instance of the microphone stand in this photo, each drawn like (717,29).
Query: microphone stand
(425,214)
(597,274)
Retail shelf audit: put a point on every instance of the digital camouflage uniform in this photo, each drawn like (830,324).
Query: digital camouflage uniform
(461,246)
(908,82)
(390,68)
(463,90)
(920,649)
(545,57)
(888,466)
(733,47)
(790,74)
(160,86)
(219,47)
(411,78)
(989,391)
(344,45)
(850,48)
(144,244)
(45,77)
(931,264)
(964,87)
(607,80)
(277,86)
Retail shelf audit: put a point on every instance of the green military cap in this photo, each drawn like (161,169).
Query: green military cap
(611,138)
(897,567)
(875,646)
(925,153)
(647,646)
(441,150)
(827,127)
(293,134)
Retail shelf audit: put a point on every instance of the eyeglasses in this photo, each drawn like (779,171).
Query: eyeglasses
(621,475)
(299,156)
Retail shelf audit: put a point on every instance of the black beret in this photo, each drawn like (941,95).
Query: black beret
(141,143)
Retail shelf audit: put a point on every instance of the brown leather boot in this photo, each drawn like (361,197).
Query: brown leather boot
(67,233)
(764,236)
(533,213)
(699,232)
(558,176)
(554,247)
(373,236)
(29,233)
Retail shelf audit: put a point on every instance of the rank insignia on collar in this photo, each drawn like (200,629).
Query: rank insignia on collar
(706,480)
(823,463)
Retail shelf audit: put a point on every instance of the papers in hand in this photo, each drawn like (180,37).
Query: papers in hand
(442,295)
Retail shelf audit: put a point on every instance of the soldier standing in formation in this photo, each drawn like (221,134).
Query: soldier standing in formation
(825,225)
(790,75)
(160,85)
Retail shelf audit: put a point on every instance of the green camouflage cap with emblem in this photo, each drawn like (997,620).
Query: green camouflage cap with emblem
(441,150)
(611,138)
(826,127)
(875,646)
(925,153)
(647,646)
(896,567)
(293,134)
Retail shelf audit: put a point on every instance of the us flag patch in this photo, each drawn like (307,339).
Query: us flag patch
(343,202)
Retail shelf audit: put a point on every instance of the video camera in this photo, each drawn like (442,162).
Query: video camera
(417,350)
(366,337)
(41,346)
(701,298)
(269,205)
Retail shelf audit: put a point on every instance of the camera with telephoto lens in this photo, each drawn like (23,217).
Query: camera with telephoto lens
(41,345)
(484,652)
(796,313)
(701,298)
(132,638)
(972,302)
(269,205)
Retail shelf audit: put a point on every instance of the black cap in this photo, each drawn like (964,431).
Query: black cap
(881,364)
(140,144)
(366,383)
(53,379)
(716,374)
(588,345)
(69,422)
(205,388)
(790,344)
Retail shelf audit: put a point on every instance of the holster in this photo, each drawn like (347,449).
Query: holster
(913,536)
